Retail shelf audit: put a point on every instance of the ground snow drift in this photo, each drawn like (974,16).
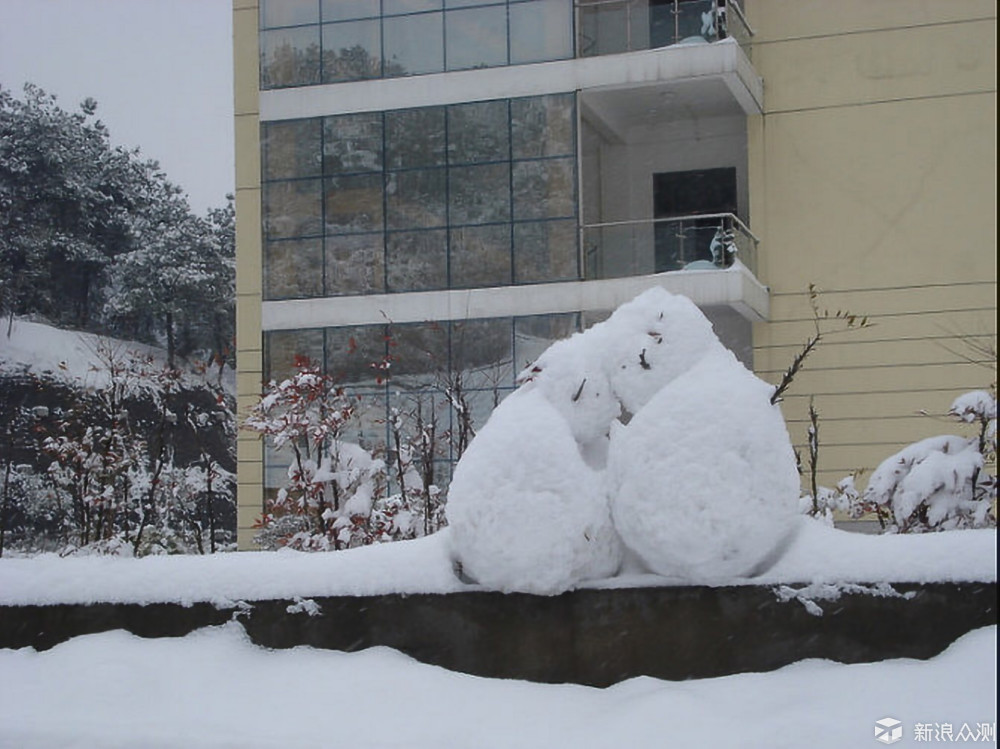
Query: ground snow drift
(215,689)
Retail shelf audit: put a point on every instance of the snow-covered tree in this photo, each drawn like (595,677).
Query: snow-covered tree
(306,415)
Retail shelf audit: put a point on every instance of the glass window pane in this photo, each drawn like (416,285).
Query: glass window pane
(541,30)
(291,149)
(351,351)
(289,57)
(417,260)
(354,204)
(468,3)
(543,126)
(544,189)
(352,51)
(545,251)
(416,199)
(479,194)
(291,269)
(533,334)
(293,209)
(481,350)
(604,29)
(419,354)
(415,137)
(355,264)
(341,10)
(288,12)
(480,256)
(478,132)
(477,37)
(413,44)
(283,347)
(392,7)
(352,143)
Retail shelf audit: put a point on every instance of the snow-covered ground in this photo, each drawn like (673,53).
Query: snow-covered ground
(818,554)
(214,688)
(75,357)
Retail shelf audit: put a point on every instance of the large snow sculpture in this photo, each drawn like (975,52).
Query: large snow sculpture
(700,484)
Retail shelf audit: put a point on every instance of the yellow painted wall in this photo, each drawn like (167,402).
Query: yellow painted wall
(873,176)
(249,359)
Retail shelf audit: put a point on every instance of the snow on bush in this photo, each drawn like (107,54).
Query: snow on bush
(939,483)
(702,482)
(525,510)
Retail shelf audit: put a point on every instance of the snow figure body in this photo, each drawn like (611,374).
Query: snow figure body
(526,512)
(703,480)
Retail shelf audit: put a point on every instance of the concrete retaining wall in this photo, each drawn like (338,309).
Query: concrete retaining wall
(595,637)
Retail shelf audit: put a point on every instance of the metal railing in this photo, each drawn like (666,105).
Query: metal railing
(611,26)
(699,242)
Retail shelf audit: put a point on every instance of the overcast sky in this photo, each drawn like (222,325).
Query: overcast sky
(160,70)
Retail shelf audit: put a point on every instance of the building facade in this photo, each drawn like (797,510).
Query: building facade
(450,185)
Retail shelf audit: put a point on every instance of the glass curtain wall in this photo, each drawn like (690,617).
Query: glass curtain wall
(309,42)
(440,370)
(469,195)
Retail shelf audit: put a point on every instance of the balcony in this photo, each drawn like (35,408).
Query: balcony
(713,241)
(612,26)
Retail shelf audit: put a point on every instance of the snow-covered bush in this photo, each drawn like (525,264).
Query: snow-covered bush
(125,460)
(700,483)
(940,483)
(339,494)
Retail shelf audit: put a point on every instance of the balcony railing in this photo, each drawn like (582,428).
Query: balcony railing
(701,242)
(610,26)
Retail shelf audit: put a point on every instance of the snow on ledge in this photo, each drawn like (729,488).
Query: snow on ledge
(817,554)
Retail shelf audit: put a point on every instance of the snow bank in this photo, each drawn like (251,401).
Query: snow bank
(818,553)
(205,691)
(416,566)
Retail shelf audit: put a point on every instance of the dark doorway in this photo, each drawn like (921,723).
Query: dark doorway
(679,195)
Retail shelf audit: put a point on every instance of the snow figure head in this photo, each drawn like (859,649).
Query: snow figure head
(703,480)
(571,377)
(650,341)
(526,513)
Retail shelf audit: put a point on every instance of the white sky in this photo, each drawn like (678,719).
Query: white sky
(160,70)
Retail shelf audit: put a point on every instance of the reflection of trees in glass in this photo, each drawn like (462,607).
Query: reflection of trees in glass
(354,264)
(291,269)
(356,63)
(478,132)
(415,138)
(545,251)
(417,261)
(291,149)
(352,143)
(480,255)
(286,61)
(479,194)
(293,209)
(544,189)
(543,126)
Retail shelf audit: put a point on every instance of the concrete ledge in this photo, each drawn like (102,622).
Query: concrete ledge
(595,637)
